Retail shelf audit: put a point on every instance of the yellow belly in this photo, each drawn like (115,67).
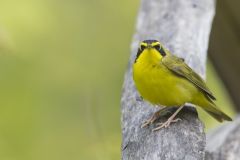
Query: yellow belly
(160,86)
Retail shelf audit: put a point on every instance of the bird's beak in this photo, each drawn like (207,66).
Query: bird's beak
(149,46)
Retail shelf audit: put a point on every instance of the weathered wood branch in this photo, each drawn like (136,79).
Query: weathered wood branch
(224,142)
(183,26)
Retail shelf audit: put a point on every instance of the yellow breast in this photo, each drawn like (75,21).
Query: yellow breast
(159,85)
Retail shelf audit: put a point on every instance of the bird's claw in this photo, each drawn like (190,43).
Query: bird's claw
(148,122)
(166,124)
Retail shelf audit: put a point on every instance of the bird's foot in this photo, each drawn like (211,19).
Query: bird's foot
(153,118)
(166,124)
(170,120)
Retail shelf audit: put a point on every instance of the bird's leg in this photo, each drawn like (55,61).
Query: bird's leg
(153,118)
(170,120)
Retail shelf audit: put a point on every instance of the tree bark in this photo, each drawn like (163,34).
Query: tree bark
(183,26)
(224,142)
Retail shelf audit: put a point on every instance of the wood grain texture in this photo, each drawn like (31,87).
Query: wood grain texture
(183,26)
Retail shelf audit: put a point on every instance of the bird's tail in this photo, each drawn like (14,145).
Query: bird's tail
(216,113)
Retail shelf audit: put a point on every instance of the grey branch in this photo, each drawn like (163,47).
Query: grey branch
(183,26)
(224,142)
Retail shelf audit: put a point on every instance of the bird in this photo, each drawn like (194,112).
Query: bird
(166,80)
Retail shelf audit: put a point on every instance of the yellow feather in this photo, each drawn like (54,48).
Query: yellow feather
(160,86)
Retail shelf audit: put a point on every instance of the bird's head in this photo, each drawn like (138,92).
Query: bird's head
(150,49)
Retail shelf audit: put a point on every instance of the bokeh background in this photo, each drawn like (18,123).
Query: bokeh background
(61,70)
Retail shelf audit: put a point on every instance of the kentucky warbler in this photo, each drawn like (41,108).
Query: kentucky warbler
(164,79)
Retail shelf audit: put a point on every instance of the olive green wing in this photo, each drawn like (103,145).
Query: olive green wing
(177,66)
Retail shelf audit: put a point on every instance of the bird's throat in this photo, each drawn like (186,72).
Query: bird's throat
(150,57)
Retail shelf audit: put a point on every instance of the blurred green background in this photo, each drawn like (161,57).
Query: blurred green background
(61,71)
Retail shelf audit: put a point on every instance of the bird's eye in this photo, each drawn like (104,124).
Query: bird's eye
(157,47)
(142,47)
